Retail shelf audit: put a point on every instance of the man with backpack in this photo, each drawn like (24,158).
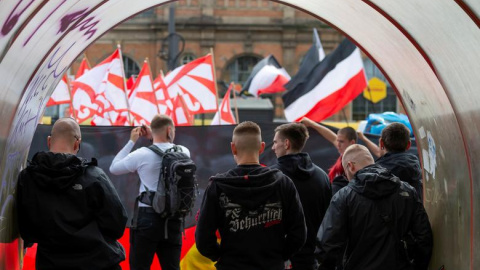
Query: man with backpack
(155,230)
(256,210)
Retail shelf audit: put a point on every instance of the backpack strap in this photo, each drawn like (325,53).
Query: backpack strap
(156,150)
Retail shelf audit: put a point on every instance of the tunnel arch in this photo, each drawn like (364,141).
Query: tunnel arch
(431,62)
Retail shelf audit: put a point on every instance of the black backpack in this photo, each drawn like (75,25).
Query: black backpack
(178,181)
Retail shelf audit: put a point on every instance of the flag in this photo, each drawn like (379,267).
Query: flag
(225,116)
(329,86)
(267,77)
(84,67)
(143,103)
(314,55)
(111,97)
(61,94)
(164,103)
(180,113)
(195,82)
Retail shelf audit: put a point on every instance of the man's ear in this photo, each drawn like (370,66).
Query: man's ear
(49,138)
(409,144)
(234,148)
(380,143)
(262,147)
(287,144)
(76,146)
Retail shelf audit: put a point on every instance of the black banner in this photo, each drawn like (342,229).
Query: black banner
(209,147)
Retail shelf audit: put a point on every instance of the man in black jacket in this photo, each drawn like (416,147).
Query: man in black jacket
(255,209)
(372,216)
(312,184)
(395,140)
(69,207)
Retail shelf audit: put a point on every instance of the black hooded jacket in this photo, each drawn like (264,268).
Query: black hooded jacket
(314,189)
(259,216)
(356,217)
(71,209)
(405,166)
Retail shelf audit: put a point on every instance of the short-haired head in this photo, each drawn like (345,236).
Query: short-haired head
(65,136)
(395,137)
(247,137)
(295,133)
(355,158)
(160,122)
(349,133)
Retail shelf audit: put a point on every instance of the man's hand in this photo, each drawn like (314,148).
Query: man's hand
(135,134)
(307,122)
(146,132)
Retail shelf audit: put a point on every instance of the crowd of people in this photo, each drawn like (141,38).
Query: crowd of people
(363,214)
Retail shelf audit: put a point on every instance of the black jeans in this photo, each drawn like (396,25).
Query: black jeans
(155,235)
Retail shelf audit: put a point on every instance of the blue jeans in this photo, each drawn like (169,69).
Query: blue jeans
(155,235)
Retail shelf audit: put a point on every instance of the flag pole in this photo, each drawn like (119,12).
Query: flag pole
(124,84)
(235,102)
(151,79)
(71,97)
(371,98)
(215,78)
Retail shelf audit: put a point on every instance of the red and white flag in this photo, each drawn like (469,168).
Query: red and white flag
(143,103)
(180,114)
(165,105)
(267,77)
(61,94)
(111,96)
(329,86)
(195,82)
(84,67)
(225,115)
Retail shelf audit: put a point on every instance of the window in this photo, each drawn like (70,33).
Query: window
(130,67)
(187,58)
(363,107)
(240,68)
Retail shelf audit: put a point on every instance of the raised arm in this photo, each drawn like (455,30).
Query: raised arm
(325,132)
(375,149)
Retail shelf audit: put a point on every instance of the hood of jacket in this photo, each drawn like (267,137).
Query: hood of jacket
(297,166)
(375,182)
(56,170)
(405,165)
(251,190)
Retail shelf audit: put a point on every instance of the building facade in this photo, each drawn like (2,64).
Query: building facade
(238,32)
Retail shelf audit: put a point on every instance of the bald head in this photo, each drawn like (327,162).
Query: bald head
(65,136)
(355,158)
(247,141)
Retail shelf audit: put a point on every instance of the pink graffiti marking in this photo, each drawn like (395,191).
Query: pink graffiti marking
(44,20)
(12,19)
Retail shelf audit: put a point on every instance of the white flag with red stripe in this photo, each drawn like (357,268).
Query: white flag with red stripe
(61,94)
(143,103)
(267,77)
(83,68)
(180,113)
(165,105)
(195,83)
(329,86)
(111,96)
(225,115)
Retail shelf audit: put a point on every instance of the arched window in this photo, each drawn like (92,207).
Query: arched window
(130,66)
(240,68)
(187,58)
(362,107)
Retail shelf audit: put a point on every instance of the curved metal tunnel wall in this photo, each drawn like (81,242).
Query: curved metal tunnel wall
(429,50)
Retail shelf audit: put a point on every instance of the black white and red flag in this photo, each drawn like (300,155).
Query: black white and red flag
(267,77)
(329,86)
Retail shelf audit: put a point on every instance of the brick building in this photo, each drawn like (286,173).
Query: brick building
(240,33)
